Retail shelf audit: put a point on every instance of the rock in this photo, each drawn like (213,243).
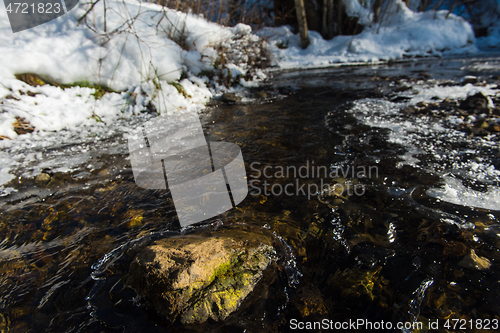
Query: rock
(479,131)
(424,75)
(12,97)
(230,98)
(473,261)
(447,84)
(402,88)
(309,301)
(134,218)
(469,79)
(200,276)
(448,103)
(477,102)
(42,178)
(493,231)
(261,95)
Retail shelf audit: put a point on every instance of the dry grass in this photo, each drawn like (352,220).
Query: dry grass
(22,126)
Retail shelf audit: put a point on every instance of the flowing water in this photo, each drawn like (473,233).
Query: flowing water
(374,212)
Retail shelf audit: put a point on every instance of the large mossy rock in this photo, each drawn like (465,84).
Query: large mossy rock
(201,276)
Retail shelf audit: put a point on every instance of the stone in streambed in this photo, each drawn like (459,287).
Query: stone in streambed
(42,178)
(477,103)
(196,277)
(469,79)
(260,95)
(230,98)
(473,261)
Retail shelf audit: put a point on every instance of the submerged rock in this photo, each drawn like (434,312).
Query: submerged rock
(42,178)
(261,95)
(197,277)
(231,98)
(473,261)
(309,301)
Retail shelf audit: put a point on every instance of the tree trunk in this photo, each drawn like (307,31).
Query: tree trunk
(339,4)
(423,5)
(328,21)
(301,20)
(331,20)
(377,4)
(325,22)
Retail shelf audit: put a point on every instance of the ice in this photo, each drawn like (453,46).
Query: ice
(432,137)
(427,94)
(455,192)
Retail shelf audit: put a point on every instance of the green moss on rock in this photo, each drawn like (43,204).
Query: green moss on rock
(196,277)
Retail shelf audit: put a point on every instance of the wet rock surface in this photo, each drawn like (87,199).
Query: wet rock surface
(230,98)
(473,261)
(42,178)
(196,277)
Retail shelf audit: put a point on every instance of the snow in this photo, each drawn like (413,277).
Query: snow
(354,9)
(153,58)
(427,94)
(158,43)
(401,34)
(492,41)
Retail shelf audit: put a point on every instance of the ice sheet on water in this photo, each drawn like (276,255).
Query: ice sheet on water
(450,153)
(66,150)
(455,192)
(426,93)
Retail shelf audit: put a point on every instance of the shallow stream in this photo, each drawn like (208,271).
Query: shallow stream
(374,211)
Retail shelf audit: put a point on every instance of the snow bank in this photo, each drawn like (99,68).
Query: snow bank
(146,41)
(492,41)
(354,9)
(402,33)
(139,48)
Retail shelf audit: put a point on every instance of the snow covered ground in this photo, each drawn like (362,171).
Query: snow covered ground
(492,41)
(142,59)
(401,33)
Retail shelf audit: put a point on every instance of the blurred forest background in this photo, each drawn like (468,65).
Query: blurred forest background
(330,17)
